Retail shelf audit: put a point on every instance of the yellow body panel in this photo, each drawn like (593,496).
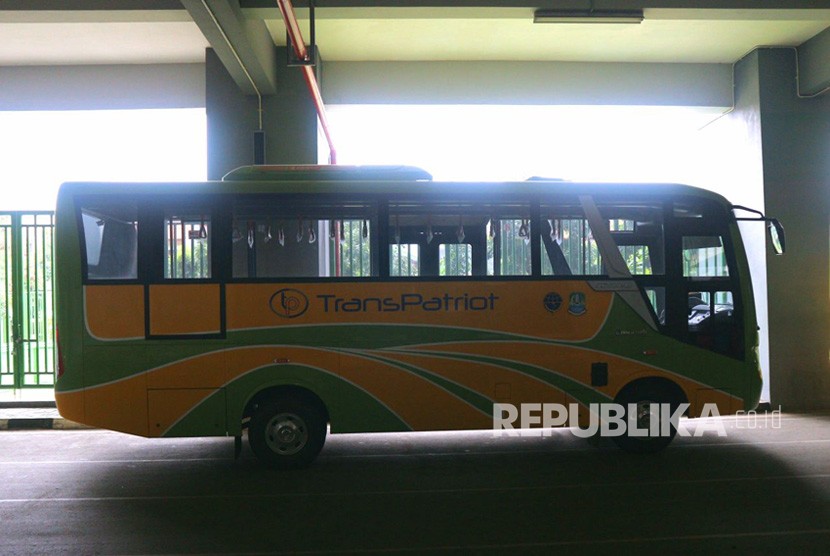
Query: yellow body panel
(488,306)
(184,309)
(114,312)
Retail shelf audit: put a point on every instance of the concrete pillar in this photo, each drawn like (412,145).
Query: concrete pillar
(288,118)
(795,134)
(291,119)
(731,163)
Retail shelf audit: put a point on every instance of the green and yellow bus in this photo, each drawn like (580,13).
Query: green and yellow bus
(293,301)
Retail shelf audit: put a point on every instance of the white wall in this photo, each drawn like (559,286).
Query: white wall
(102,87)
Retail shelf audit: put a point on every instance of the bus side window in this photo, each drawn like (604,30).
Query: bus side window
(304,241)
(656,296)
(354,241)
(111,242)
(428,243)
(403,259)
(508,247)
(455,259)
(712,320)
(459,239)
(568,244)
(187,253)
(703,256)
(639,238)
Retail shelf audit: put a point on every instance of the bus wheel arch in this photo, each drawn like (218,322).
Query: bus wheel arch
(287,426)
(642,392)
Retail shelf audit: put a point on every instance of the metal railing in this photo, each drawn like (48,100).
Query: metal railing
(27,306)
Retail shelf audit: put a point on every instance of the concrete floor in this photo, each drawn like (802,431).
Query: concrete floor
(758,490)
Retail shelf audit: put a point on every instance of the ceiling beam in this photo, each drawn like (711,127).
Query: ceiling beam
(68,5)
(558,4)
(244,46)
(84,5)
(813,71)
(529,83)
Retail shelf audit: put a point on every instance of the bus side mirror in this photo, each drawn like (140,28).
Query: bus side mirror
(776,235)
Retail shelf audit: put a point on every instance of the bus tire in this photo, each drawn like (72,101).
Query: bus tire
(287,432)
(642,396)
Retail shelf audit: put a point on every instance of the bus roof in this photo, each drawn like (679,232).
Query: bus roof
(390,180)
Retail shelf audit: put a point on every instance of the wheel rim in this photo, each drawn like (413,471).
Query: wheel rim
(286,434)
(644,414)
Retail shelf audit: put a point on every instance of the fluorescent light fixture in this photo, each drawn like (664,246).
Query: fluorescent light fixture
(588,16)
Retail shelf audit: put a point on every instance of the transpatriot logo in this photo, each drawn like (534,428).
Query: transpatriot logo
(289,303)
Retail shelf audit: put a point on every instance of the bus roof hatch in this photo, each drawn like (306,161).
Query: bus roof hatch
(314,172)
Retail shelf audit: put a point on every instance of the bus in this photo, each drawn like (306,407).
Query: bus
(296,301)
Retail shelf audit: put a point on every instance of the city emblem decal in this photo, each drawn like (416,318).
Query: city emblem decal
(552,302)
(576,304)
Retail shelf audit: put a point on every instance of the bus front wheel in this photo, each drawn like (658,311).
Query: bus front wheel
(287,433)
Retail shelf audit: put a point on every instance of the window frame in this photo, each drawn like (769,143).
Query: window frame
(317,207)
(152,241)
(495,207)
(185,222)
(83,202)
(711,219)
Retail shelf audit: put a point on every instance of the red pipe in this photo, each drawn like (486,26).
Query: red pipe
(292,26)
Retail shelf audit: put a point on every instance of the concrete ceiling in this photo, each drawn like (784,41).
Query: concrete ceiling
(666,35)
(53,37)
(37,32)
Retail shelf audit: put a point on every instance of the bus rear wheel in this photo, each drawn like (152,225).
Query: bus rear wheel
(646,400)
(287,433)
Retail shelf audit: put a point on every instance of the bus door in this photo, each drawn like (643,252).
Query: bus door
(705,295)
